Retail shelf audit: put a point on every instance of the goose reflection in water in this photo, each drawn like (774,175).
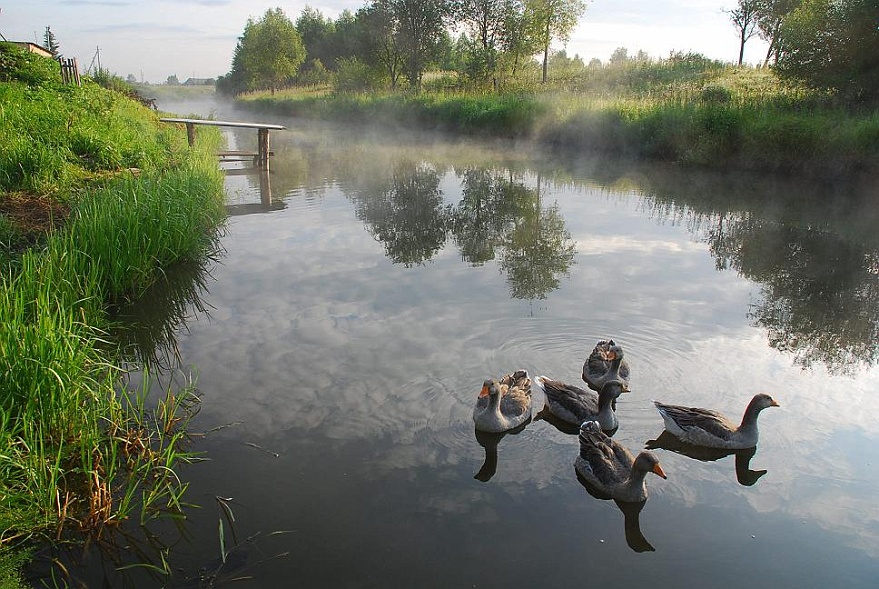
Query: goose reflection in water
(490,441)
(631,516)
(744,474)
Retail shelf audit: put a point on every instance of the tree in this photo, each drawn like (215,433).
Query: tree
(420,24)
(172,80)
(770,17)
(744,18)
(318,36)
(553,20)
(833,44)
(50,43)
(131,79)
(488,24)
(378,40)
(269,52)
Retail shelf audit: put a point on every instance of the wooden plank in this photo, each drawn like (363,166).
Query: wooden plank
(236,124)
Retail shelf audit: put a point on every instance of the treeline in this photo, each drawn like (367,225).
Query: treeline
(390,44)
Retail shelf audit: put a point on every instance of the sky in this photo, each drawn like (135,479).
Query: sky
(154,39)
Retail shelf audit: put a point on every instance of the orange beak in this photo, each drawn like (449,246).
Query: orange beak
(775,403)
(484,391)
(658,470)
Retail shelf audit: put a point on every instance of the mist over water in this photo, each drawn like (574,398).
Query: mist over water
(370,283)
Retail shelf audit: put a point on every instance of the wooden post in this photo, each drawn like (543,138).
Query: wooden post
(263,141)
(190,134)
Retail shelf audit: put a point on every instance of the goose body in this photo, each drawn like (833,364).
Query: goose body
(605,364)
(574,405)
(611,468)
(705,427)
(503,404)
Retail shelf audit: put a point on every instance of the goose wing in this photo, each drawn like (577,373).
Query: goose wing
(610,461)
(568,401)
(692,418)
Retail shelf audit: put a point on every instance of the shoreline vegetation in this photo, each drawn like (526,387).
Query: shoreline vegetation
(687,110)
(98,201)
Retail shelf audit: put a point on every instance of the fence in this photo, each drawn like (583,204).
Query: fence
(69,70)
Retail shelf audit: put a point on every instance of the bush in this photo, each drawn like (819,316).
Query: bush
(352,75)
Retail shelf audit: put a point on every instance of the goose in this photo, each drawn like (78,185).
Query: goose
(574,405)
(505,404)
(611,468)
(704,427)
(606,363)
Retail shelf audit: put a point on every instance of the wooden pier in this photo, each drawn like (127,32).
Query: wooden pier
(260,157)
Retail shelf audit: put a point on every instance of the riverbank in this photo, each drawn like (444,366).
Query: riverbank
(723,118)
(98,200)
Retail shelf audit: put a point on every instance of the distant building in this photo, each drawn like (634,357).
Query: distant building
(199,82)
(34,48)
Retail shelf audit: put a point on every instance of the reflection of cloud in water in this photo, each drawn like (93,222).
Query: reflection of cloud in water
(317,331)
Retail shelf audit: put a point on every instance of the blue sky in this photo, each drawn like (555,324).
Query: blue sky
(153,39)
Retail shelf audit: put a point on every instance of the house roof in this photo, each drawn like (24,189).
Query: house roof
(34,48)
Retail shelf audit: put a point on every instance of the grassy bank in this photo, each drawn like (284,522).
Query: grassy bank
(688,110)
(97,199)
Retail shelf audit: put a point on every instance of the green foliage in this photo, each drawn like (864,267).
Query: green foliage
(314,74)
(833,45)
(269,52)
(10,565)
(352,75)
(18,65)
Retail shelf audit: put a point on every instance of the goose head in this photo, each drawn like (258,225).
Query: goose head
(490,387)
(648,462)
(763,401)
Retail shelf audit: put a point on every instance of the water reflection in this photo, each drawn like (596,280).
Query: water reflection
(146,329)
(489,441)
(631,516)
(744,475)
(404,211)
(814,251)
(266,203)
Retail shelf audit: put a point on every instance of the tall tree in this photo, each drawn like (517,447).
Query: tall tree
(553,20)
(269,52)
(318,36)
(486,22)
(421,24)
(744,18)
(771,15)
(378,39)
(50,43)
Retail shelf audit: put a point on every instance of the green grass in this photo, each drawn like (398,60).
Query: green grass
(79,450)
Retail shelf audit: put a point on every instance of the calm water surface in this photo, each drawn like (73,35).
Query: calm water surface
(355,310)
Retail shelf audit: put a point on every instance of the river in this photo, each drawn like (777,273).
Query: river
(369,284)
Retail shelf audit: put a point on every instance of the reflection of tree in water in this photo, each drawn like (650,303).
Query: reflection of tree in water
(405,212)
(499,212)
(537,252)
(813,251)
(498,217)
(489,207)
(820,292)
